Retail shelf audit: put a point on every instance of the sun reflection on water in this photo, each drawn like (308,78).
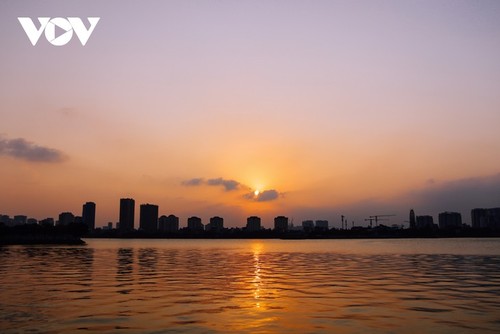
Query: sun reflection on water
(257,281)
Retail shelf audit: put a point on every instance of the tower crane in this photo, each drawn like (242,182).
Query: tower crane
(377,218)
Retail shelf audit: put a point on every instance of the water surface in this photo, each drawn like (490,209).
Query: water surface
(252,286)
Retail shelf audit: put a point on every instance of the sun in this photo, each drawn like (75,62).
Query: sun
(256,192)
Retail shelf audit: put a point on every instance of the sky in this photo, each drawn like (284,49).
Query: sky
(308,109)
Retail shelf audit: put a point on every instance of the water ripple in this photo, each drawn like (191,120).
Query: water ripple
(245,287)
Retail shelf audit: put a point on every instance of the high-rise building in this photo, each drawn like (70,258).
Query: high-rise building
(281,224)
(66,218)
(194,224)
(413,222)
(486,218)
(323,225)
(449,220)
(47,222)
(169,224)
(253,223)
(20,220)
(479,218)
(148,217)
(425,222)
(127,212)
(5,219)
(216,224)
(88,215)
(32,221)
(308,225)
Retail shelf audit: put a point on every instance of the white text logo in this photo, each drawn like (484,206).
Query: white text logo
(65,26)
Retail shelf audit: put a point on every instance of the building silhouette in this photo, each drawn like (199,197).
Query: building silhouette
(216,224)
(127,212)
(486,218)
(66,218)
(194,224)
(253,224)
(47,222)
(425,222)
(281,224)
(449,220)
(20,219)
(168,224)
(148,217)
(413,223)
(5,219)
(308,225)
(32,221)
(88,215)
(323,225)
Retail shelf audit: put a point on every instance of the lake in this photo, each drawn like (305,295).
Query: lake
(252,286)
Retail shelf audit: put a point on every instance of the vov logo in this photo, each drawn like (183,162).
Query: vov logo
(66,26)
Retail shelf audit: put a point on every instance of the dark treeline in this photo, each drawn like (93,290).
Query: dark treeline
(380,231)
(72,233)
(40,234)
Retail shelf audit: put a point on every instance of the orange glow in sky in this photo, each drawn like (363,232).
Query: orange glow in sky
(309,110)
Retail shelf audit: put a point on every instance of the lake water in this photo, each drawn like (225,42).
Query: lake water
(252,286)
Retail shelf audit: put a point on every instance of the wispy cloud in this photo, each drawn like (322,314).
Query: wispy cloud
(227,184)
(193,182)
(233,185)
(22,149)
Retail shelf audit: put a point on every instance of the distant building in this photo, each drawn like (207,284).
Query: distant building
(486,218)
(20,220)
(479,218)
(148,217)
(413,222)
(253,224)
(32,221)
(169,224)
(308,225)
(323,225)
(216,224)
(127,212)
(5,219)
(281,224)
(194,224)
(78,220)
(448,220)
(66,218)
(88,215)
(47,222)
(425,222)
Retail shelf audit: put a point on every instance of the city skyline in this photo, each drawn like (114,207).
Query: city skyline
(262,108)
(151,219)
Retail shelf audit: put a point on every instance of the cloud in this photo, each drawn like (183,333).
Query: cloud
(233,185)
(227,184)
(193,182)
(20,148)
(263,196)
(268,195)
(462,194)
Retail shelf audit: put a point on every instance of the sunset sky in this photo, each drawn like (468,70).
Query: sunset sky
(327,108)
